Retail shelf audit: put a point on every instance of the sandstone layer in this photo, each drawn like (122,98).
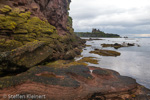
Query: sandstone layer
(76,82)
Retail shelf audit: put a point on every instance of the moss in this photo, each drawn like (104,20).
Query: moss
(116,45)
(133,95)
(25,15)
(20,31)
(106,52)
(55,36)
(89,59)
(88,45)
(58,63)
(77,63)
(18,21)
(9,45)
(36,25)
(24,38)
(65,63)
(5,23)
(15,12)
(25,28)
(69,25)
(5,9)
(69,20)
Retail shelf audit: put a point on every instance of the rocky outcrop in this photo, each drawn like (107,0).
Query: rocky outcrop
(72,83)
(117,45)
(55,11)
(33,32)
(106,52)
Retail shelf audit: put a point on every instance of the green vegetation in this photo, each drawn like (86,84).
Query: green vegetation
(88,45)
(65,63)
(17,23)
(26,40)
(96,33)
(5,9)
(89,59)
(9,45)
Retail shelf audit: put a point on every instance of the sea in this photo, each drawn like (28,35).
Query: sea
(134,61)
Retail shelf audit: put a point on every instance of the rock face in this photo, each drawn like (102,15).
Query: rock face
(34,32)
(55,11)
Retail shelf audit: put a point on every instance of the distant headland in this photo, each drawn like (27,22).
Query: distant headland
(96,33)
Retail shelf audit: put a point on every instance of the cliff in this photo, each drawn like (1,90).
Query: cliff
(37,45)
(54,11)
(33,32)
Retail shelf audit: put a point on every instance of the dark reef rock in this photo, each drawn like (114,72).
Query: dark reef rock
(117,46)
(106,52)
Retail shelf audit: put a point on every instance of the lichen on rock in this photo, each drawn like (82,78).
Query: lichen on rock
(21,31)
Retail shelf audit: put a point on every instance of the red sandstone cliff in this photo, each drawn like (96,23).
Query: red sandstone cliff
(55,11)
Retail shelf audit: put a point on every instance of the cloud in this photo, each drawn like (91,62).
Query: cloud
(140,35)
(121,16)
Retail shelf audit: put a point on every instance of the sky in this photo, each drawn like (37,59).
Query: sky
(131,17)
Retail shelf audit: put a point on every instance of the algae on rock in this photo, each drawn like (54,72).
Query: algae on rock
(106,52)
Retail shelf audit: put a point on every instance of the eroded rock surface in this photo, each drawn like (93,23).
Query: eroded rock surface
(73,83)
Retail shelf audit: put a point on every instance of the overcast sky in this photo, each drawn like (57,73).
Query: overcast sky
(112,16)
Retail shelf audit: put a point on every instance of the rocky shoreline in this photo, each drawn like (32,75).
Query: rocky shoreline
(75,82)
(37,50)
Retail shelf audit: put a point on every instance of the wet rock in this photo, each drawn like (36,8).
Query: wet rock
(131,44)
(88,45)
(70,55)
(89,60)
(72,83)
(106,52)
(101,72)
(117,45)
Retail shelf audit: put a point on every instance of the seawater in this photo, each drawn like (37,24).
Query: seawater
(133,62)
